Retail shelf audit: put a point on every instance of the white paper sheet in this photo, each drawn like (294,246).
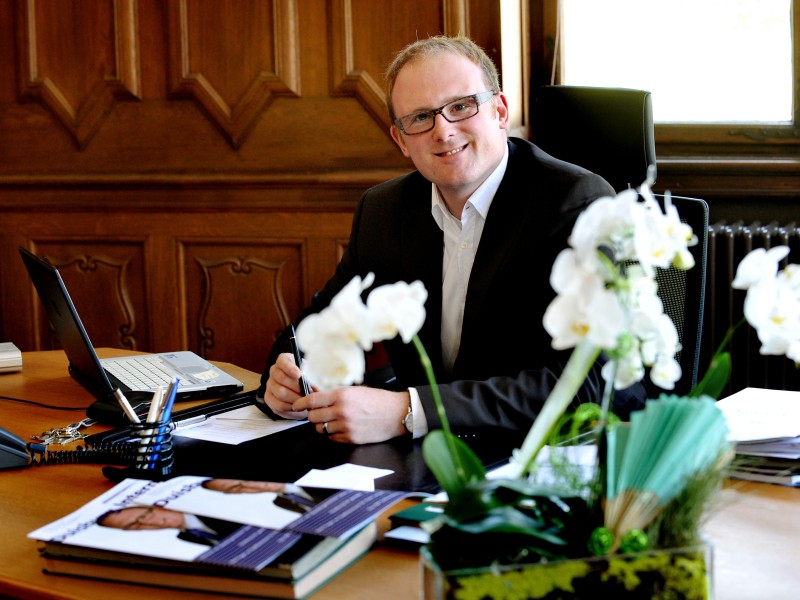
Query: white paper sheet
(236,426)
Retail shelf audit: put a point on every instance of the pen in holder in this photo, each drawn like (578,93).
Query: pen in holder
(151,440)
(154,458)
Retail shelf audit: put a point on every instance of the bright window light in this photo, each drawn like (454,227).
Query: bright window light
(703,60)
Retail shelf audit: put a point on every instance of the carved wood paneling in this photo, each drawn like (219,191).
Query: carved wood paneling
(232,56)
(362,47)
(76,57)
(107,285)
(239,296)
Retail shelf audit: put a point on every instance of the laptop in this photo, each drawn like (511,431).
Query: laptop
(137,376)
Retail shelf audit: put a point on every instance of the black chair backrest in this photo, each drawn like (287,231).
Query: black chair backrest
(610,132)
(683,292)
(606,130)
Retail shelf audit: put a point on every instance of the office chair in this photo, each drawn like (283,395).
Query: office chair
(610,132)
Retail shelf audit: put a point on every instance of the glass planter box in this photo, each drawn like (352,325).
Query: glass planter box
(675,574)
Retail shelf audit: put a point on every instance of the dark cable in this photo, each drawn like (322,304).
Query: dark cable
(34,403)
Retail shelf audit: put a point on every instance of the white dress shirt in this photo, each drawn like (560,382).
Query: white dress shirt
(461,239)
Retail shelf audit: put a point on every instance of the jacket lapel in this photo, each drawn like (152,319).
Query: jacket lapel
(500,233)
(422,257)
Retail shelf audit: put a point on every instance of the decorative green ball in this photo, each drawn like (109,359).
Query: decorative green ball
(601,541)
(634,541)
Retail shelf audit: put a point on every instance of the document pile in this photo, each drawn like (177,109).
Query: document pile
(10,358)
(765,425)
(228,536)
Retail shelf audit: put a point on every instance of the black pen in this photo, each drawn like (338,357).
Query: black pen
(299,362)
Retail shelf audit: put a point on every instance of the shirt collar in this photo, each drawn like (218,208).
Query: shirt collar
(481,198)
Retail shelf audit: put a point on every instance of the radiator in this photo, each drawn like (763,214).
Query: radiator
(727,245)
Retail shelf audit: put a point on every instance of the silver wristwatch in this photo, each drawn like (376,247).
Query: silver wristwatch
(408,420)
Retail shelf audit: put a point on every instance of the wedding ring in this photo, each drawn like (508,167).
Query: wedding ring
(325,428)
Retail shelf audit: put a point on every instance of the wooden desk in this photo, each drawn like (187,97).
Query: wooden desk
(755,530)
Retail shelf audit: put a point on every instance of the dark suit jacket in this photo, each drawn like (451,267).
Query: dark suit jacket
(505,366)
(221,527)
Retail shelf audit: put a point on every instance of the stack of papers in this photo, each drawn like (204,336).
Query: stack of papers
(10,358)
(764,422)
(765,426)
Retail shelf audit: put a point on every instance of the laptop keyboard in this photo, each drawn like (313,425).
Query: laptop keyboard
(146,372)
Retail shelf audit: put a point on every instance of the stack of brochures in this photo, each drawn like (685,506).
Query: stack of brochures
(226,536)
(765,425)
(10,358)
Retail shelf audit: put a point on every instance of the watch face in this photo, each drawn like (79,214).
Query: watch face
(408,422)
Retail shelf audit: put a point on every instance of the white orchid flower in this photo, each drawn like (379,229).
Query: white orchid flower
(334,366)
(397,309)
(792,275)
(568,274)
(772,307)
(608,221)
(772,304)
(757,265)
(335,339)
(627,371)
(590,312)
(793,352)
(665,372)
(350,312)
(613,304)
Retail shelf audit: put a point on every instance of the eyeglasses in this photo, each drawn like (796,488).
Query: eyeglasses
(457,110)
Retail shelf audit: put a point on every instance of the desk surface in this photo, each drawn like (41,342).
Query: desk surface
(754,531)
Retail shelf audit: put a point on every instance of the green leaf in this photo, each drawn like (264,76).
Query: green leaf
(436,448)
(716,378)
(506,519)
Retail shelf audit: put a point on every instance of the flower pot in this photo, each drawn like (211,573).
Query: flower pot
(676,574)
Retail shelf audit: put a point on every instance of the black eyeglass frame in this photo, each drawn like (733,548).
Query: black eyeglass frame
(480,98)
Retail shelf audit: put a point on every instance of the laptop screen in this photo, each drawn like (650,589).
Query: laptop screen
(68,326)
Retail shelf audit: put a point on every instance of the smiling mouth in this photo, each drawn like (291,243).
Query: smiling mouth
(452,152)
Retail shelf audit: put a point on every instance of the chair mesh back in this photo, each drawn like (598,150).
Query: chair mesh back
(672,291)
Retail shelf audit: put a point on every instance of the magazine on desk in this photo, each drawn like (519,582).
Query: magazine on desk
(220,535)
(765,426)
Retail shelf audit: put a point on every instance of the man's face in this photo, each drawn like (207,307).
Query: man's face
(144,517)
(459,156)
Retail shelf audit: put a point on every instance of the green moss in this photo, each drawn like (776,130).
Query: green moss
(531,582)
(659,575)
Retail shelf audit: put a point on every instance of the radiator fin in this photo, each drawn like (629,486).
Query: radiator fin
(727,245)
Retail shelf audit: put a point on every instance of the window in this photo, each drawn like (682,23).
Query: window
(708,61)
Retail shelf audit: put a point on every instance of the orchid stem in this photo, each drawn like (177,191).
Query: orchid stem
(437,400)
(563,393)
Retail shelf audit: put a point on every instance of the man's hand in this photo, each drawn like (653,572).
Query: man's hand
(356,414)
(283,388)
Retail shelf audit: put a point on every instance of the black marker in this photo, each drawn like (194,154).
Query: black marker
(299,362)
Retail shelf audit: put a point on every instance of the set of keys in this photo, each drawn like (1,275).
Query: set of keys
(64,435)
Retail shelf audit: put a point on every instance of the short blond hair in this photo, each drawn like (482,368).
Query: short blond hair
(437,45)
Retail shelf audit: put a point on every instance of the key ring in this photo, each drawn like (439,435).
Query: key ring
(64,435)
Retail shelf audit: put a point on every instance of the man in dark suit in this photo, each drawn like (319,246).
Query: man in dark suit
(480,222)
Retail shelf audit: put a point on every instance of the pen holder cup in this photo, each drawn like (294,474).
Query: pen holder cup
(153,456)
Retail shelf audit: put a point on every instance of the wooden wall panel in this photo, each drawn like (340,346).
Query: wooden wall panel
(107,284)
(362,46)
(239,296)
(76,71)
(233,89)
